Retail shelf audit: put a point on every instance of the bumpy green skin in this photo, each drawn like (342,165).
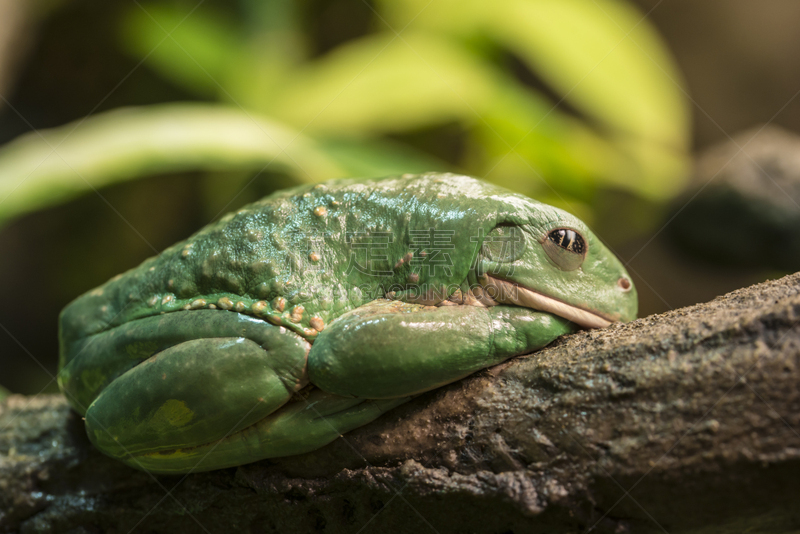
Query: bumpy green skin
(200,357)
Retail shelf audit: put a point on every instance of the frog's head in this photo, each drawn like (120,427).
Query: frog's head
(546,259)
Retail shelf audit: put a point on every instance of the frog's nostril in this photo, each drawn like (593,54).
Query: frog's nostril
(624,284)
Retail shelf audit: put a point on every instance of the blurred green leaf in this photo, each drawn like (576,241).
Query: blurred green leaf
(523,136)
(40,169)
(275,28)
(43,168)
(606,61)
(604,58)
(384,84)
(610,64)
(381,83)
(561,154)
(367,157)
(602,55)
(196,50)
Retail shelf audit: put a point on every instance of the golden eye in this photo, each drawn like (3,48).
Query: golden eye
(566,248)
(568,239)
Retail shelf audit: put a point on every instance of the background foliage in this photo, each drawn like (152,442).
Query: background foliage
(420,65)
(212,104)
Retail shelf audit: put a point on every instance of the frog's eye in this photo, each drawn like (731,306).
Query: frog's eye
(504,244)
(566,248)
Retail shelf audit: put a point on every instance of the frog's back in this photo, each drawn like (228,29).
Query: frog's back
(289,258)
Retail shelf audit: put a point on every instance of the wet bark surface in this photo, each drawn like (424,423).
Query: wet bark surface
(687,421)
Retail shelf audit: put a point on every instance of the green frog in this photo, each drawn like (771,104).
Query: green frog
(307,314)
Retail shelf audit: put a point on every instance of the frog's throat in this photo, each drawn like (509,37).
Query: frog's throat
(513,293)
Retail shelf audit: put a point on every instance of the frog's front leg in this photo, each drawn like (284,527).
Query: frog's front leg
(391,349)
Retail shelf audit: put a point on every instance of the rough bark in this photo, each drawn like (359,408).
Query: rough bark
(681,422)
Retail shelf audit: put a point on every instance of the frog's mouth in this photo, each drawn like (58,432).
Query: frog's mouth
(506,292)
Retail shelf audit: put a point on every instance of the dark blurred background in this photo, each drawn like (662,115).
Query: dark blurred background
(63,60)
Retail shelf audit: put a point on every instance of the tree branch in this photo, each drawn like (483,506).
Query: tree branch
(674,423)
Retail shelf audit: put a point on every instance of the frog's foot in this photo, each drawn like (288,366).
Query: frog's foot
(107,356)
(194,389)
(303,425)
